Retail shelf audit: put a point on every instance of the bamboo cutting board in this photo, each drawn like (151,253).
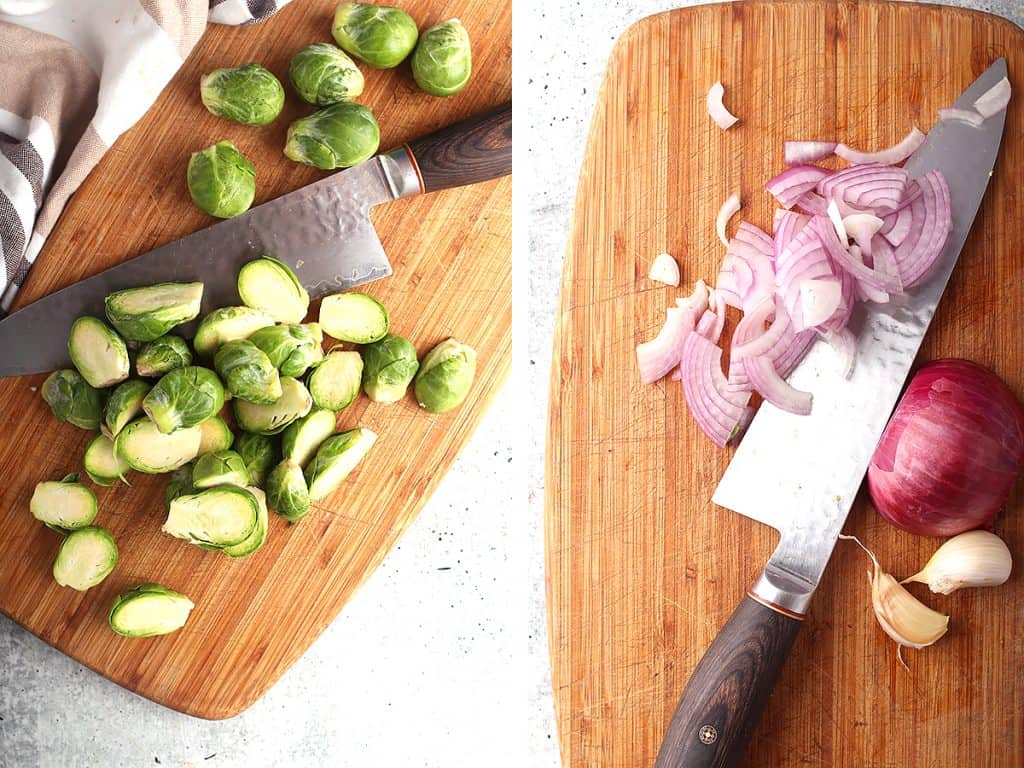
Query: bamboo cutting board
(642,569)
(451,253)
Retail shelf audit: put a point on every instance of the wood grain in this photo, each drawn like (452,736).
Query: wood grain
(451,253)
(642,569)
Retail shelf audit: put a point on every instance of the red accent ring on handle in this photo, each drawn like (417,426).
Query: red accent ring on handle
(775,607)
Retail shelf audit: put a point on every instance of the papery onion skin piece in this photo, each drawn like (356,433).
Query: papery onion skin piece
(897,153)
(951,452)
(723,118)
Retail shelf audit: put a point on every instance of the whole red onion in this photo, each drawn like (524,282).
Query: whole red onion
(951,452)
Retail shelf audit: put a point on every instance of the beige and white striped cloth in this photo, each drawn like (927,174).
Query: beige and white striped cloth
(75,75)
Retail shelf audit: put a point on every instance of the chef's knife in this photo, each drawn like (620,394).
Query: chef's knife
(322,231)
(800,474)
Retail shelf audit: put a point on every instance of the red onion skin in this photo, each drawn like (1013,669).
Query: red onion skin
(951,452)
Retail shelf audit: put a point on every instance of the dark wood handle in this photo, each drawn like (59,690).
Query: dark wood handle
(727,691)
(476,149)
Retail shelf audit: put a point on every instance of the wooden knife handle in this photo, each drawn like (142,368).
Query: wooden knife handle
(476,149)
(728,690)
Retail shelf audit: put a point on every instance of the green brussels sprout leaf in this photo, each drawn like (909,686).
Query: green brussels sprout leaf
(220,468)
(125,404)
(71,399)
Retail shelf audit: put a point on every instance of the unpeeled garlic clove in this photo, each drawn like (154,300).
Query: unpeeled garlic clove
(972,559)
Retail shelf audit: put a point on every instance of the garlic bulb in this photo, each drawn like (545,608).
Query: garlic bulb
(972,559)
(664,269)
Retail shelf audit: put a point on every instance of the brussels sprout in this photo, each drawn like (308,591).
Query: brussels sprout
(442,62)
(248,94)
(218,517)
(216,435)
(377,34)
(292,349)
(149,610)
(101,464)
(63,505)
(179,483)
(388,368)
(354,317)
(335,459)
(98,353)
(85,558)
(270,285)
(247,372)
(147,449)
(227,324)
(184,397)
(258,537)
(72,399)
(294,403)
(144,314)
(300,441)
(125,404)
(323,75)
(221,180)
(162,355)
(337,136)
(334,384)
(220,468)
(445,376)
(259,454)
(287,493)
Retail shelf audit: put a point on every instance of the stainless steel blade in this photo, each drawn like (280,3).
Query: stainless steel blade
(800,474)
(323,231)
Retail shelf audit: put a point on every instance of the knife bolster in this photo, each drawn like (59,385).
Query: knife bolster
(783,592)
(401,173)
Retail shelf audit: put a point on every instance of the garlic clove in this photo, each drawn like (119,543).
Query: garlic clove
(971,559)
(904,618)
(664,269)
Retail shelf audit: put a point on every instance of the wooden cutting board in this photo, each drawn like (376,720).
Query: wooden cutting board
(451,253)
(642,569)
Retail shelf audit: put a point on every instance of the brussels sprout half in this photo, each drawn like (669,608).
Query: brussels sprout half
(221,180)
(354,317)
(389,366)
(337,136)
(258,537)
(149,610)
(291,348)
(179,483)
(147,313)
(247,372)
(125,404)
(335,459)
(162,355)
(270,286)
(220,468)
(217,517)
(217,435)
(377,34)
(287,493)
(300,441)
(102,465)
(63,505)
(85,558)
(323,74)
(249,94)
(294,403)
(259,452)
(445,376)
(148,450)
(228,324)
(71,399)
(98,353)
(334,384)
(442,61)
(184,398)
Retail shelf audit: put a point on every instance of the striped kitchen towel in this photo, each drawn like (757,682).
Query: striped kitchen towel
(73,77)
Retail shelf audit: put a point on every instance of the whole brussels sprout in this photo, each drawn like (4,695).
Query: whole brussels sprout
(445,376)
(442,62)
(248,372)
(337,136)
(291,348)
(220,468)
(125,404)
(259,452)
(248,94)
(323,74)
(287,493)
(377,34)
(389,366)
(184,398)
(147,313)
(221,180)
(72,399)
(162,355)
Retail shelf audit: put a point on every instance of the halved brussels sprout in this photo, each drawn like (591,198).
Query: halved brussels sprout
(98,353)
(334,384)
(271,286)
(323,75)
(335,459)
(217,435)
(85,558)
(294,403)
(291,348)
(287,493)
(249,94)
(442,61)
(149,450)
(162,355)
(259,453)
(354,317)
(63,505)
(337,136)
(221,180)
(147,313)
(149,610)
(445,376)
(258,537)
(179,483)
(220,468)
(248,372)
(184,398)
(218,517)
(125,404)
(377,34)
(228,324)
(101,464)
(71,399)
(389,366)
(300,441)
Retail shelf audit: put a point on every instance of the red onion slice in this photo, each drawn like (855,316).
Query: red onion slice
(790,185)
(890,156)
(871,187)
(730,207)
(657,357)
(717,409)
(862,227)
(897,225)
(962,115)
(723,118)
(856,268)
(812,203)
(795,351)
(845,345)
(797,152)
(994,99)
(862,291)
(819,300)
(933,221)
(773,388)
(786,227)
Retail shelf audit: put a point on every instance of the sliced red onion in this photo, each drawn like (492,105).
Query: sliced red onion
(753,340)
(897,225)
(871,187)
(819,300)
(845,345)
(883,259)
(748,329)
(717,409)
(786,227)
(803,259)
(698,300)
(723,118)
(994,99)
(730,207)
(862,227)
(748,267)
(755,237)
(856,268)
(836,218)
(848,297)
(661,354)
(734,280)
(812,203)
(789,359)
(916,255)
(797,152)
(791,184)
(890,156)
(773,388)
(962,115)
(863,291)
